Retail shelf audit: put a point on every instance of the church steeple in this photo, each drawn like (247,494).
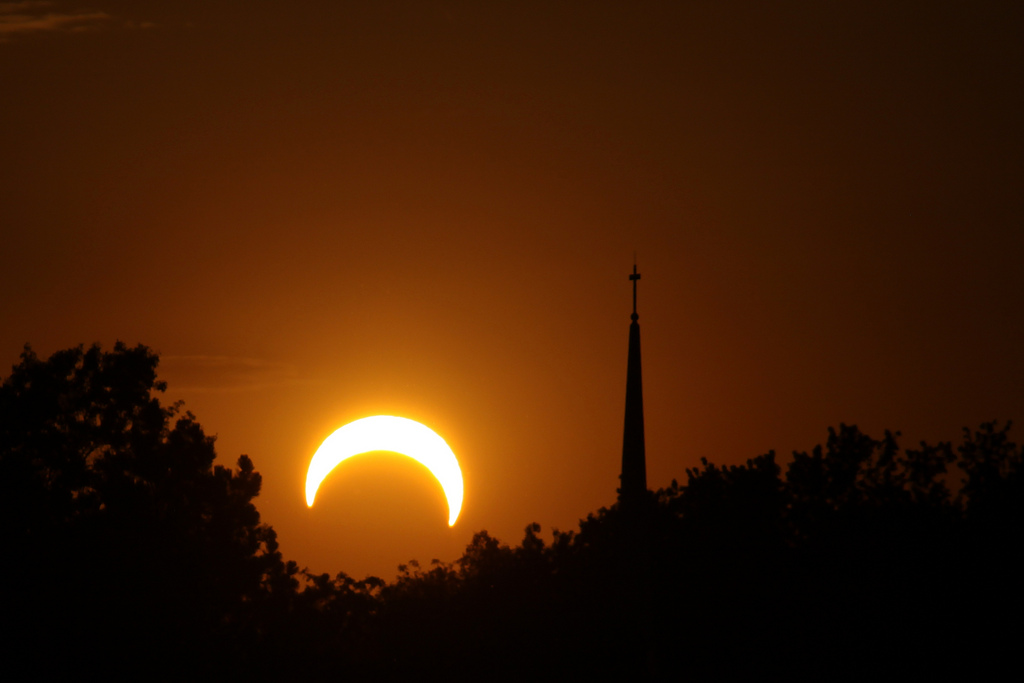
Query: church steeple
(633,480)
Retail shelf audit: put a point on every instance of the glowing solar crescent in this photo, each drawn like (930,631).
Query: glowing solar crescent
(387,433)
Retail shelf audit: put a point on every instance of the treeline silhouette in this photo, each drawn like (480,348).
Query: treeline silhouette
(127,551)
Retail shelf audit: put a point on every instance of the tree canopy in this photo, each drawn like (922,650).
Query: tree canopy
(126,537)
(127,547)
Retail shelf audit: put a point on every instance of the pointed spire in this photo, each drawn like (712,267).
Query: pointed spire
(633,480)
(634,277)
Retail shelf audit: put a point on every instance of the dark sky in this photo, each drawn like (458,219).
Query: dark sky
(318,211)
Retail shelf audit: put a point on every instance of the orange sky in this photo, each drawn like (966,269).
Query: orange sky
(319,211)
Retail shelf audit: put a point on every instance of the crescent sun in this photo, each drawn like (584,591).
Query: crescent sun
(388,433)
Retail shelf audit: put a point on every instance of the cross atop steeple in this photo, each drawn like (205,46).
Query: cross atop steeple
(633,480)
(634,277)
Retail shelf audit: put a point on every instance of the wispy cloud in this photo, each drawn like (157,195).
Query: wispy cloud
(224,374)
(38,16)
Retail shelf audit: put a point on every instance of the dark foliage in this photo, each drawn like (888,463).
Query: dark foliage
(861,561)
(126,547)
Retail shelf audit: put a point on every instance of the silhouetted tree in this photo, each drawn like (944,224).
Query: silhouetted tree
(858,559)
(125,546)
(129,544)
